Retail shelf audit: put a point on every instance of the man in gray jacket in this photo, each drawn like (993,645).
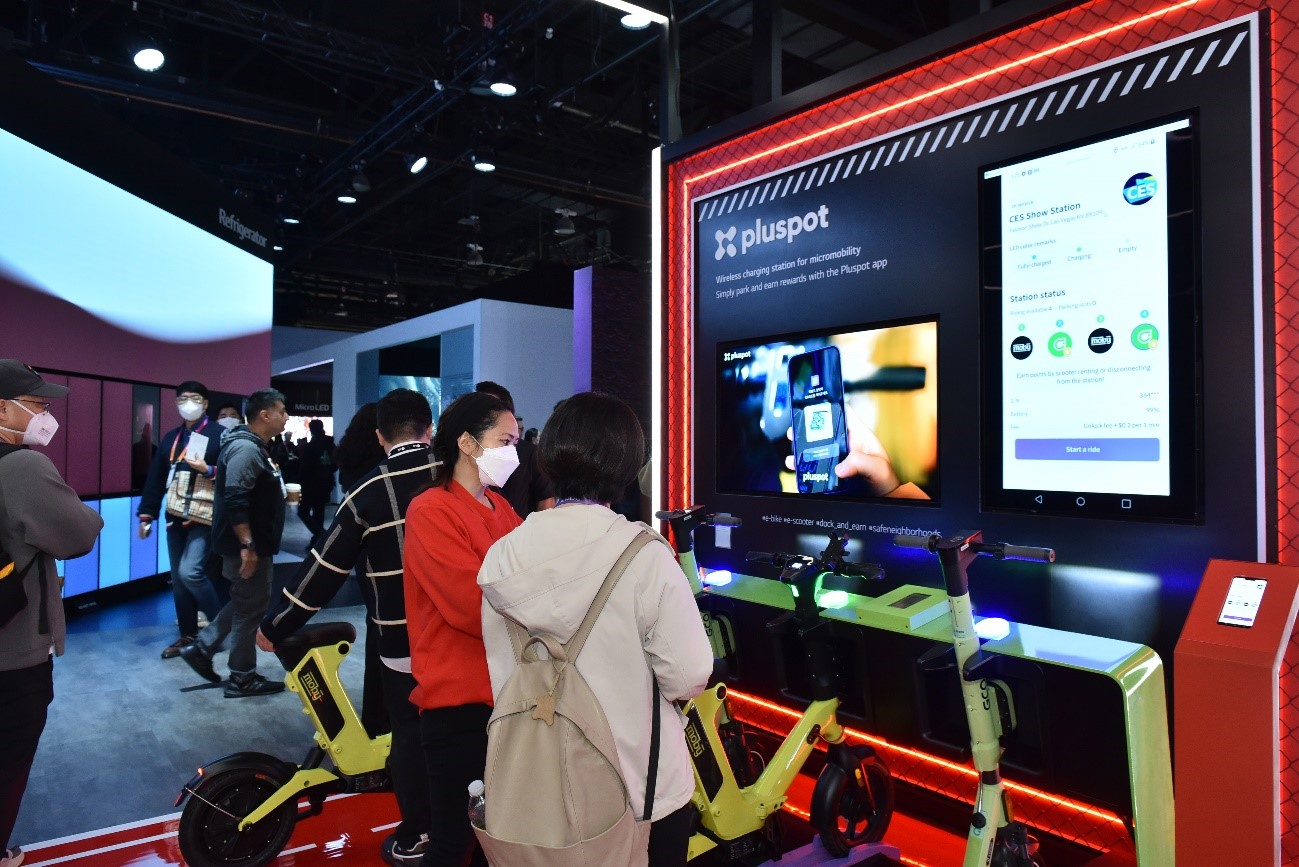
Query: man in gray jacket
(41,519)
(247,523)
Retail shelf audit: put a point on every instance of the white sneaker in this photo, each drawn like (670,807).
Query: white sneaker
(202,620)
(12,857)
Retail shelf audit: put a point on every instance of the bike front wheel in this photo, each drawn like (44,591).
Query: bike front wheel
(209,832)
(860,803)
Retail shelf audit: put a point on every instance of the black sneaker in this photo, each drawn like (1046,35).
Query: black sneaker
(398,855)
(244,685)
(200,660)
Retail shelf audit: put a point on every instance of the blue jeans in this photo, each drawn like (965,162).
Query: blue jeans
(191,589)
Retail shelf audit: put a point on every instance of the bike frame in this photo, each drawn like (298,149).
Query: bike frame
(339,732)
(727,810)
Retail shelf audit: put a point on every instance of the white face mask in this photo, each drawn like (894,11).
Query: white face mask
(190,410)
(495,466)
(228,422)
(40,430)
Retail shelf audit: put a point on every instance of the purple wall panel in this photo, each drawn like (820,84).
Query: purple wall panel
(90,345)
(84,403)
(115,448)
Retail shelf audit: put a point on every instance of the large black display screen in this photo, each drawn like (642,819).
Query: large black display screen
(852,414)
(1089,317)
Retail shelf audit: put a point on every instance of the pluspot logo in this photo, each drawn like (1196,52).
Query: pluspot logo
(1140,188)
(724,246)
(786,229)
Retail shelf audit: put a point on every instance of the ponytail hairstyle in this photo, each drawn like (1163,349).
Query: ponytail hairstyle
(474,413)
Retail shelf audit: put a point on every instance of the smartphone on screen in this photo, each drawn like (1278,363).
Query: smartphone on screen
(820,429)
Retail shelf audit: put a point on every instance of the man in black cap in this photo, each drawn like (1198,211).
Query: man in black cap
(41,519)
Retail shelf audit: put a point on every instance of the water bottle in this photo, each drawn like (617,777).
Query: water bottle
(477,804)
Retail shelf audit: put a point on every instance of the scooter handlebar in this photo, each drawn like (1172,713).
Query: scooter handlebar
(925,542)
(1024,552)
(725,521)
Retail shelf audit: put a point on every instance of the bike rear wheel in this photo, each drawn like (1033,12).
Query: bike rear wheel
(209,832)
(862,804)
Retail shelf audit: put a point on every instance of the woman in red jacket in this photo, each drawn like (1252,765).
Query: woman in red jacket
(448,531)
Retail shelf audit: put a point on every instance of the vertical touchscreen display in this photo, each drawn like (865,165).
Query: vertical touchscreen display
(1089,283)
(1243,598)
(820,432)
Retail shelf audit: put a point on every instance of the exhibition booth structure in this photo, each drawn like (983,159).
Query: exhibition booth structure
(527,348)
(1035,282)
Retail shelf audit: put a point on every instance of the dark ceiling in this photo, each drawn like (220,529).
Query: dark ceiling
(283,103)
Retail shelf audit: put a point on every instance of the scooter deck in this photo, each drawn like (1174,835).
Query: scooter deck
(814,855)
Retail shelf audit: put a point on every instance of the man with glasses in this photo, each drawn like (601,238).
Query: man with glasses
(188,537)
(246,530)
(41,519)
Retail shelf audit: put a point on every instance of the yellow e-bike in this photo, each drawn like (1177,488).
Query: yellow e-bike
(738,797)
(241,809)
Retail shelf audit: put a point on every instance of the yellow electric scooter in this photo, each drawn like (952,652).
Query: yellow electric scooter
(994,838)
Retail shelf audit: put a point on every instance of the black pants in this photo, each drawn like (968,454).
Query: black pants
(669,841)
(406,761)
(25,695)
(455,754)
(311,508)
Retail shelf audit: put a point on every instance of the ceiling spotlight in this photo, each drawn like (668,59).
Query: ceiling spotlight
(416,164)
(503,83)
(564,225)
(289,219)
(633,9)
(347,197)
(360,182)
(636,21)
(277,247)
(475,255)
(149,58)
(482,158)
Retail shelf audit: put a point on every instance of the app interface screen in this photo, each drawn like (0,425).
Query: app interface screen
(1243,598)
(1085,370)
(820,433)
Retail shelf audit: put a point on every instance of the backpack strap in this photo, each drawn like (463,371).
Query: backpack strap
(651,778)
(574,646)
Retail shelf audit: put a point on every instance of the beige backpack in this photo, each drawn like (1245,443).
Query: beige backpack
(555,794)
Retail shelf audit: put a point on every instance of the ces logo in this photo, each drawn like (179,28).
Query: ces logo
(1140,188)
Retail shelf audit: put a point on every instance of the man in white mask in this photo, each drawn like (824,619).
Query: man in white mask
(188,538)
(41,519)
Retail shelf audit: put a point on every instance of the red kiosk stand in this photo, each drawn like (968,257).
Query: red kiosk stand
(1236,717)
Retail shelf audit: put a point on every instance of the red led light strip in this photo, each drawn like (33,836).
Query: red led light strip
(955,85)
(964,775)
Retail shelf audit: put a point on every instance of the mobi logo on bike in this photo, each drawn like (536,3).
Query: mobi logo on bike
(786,229)
(694,740)
(312,686)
